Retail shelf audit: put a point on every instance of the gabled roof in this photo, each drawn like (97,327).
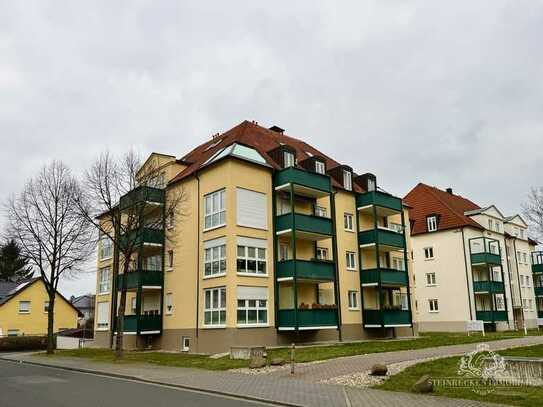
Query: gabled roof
(426,200)
(83,301)
(510,219)
(261,139)
(483,210)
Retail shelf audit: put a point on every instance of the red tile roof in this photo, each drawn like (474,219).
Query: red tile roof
(261,139)
(426,200)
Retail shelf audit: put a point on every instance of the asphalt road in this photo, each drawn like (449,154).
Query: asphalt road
(24,385)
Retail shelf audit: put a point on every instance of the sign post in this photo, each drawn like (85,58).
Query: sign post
(475,326)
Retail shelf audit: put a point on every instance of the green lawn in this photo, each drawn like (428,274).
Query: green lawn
(522,396)
(303,354)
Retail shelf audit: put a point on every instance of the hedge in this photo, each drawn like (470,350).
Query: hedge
(22,343)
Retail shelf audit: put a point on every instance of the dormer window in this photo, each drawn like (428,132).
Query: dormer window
(320,167)
(431,223)
(347,180)
(288,159)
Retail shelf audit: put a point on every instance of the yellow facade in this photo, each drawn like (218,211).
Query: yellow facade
(34,322)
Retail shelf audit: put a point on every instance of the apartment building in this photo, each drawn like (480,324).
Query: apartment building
(470,262)
(277,243)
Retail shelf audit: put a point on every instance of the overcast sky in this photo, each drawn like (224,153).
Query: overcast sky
(445,92)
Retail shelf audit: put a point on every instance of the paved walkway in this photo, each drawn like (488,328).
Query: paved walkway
(315,372)
(280,388)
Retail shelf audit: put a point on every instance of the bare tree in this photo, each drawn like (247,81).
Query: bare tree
(123,196)
(44,221)
(533,210)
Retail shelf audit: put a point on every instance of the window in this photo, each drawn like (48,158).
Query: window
(430,279)
(433,305)
(320,167)
(185,344)
(351,260)
(152,263)
(522,233)
(214,210)
(347,180)
(170,259)
(525,257)
(169,304)
(404,302)
(283,252)
(320,211)
(103,282)
(251,260)
(133,305)
(215,260)
(252,306)
(353,300)
(215,307)
(428,253)
(500,302)
(498,226)
(431,223)
(252,209)
(528,283)
(398,264)
(106,248)
(13,332)
(102,315)
(46,306)
(24,307)
(490,224)
(396,227)
(322,253)
(348,222)
(288,159)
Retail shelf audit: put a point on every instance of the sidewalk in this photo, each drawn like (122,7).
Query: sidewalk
(300,390)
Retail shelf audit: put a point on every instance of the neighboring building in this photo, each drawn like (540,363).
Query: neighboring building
(243,268)
(85,305)
(471,263)
(24,305)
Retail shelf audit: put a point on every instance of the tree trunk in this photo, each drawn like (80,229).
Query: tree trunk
(50,325)
(120,313)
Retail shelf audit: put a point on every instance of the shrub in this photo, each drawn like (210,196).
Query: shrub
(22,343)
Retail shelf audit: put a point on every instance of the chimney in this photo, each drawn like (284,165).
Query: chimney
(277,129)
(449,190)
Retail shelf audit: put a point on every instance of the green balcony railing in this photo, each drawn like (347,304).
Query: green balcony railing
(308,318)
(379,199)
(484,250)
(491,316)
(382,237)
(142,194)
(537,268)
(485,258)
(386,276)
(304,178)
(305,223)
(538,291)
(386,317)
(143,236)
(142,323)
(308,269)
(135,279)
(540,314)
(488,286)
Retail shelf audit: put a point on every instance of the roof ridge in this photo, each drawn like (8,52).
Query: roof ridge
(446,204)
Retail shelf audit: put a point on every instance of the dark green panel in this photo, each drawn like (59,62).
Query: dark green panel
(491,316)
(538,291)
(386,317)
(537,268)
(382,237)
(142,194)
(387,276)
(146,235)
(309,269)
(308,318)
(142,277)
(306,223)
(488,286)
(305,178)
(485,258)
(380,199)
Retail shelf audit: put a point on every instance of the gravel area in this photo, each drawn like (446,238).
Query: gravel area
(364,379)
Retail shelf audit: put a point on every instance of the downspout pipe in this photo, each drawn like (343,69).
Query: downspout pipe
(467,275)
(198,257)
(518,280)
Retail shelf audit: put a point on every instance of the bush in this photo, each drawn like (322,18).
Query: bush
(22,343)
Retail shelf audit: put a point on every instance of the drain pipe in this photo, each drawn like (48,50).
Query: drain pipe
(198,256)
(467,275)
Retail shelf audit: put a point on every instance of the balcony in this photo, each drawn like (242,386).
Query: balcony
(143,323)
(142,194)
(140,278)
(378,198)
(386,318)
(538,291)
(382,237)
(307,318)
(385,276)
(144,236)
(306,269)
(486,258)
(488,287)
(537,262)
(484,250)
(309,225)
(305,182)
(540,314)
(491,316)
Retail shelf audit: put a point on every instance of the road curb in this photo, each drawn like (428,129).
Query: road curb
(156,382)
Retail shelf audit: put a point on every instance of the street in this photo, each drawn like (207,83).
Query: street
(29,386)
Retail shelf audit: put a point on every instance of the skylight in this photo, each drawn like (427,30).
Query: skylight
(239,151)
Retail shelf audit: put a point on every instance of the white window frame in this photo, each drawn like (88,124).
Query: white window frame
(212,212)
(429,253)
(433,305)
(431,279)
(322,253)
(348,222)
(211,258)
(185,343)
(351,265)
(170,260)
(499,302)
(220,309)
(102,326)
(288,159)
(347,180)
(104,284)
(320,167)
(400,261)
(27,309)
(321,211)
(134,305)
(106,248)
(168,304)
(256,258)
(246,307)
(46,306)
(353,300)
(431,223)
